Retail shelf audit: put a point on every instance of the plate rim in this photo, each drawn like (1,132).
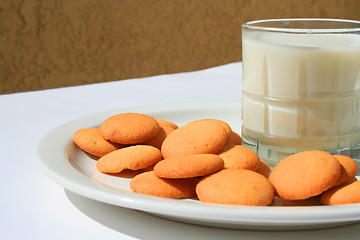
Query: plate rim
(60,171)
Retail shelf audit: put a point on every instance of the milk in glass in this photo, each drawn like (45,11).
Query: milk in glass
(301,91)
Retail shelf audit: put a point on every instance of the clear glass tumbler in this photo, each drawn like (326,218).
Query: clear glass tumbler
(301,87)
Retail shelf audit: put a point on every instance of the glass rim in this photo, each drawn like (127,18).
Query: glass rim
(251,25)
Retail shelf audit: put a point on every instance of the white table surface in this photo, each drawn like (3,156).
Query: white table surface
(34,207)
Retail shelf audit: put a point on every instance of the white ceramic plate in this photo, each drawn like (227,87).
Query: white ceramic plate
(64,163)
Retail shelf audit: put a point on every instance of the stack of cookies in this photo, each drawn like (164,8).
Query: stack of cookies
(204,160)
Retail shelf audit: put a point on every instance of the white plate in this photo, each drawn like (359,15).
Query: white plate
(64,163)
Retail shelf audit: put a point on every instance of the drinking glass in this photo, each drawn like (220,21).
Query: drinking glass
(301,87)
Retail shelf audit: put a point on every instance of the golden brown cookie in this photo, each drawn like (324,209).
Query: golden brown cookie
(90,141)
(236,187)
(149,168)
(313,201)
(194,138)
(343,194)
(263,169)
(134,158)
(148,183)
(234,138)
(188,166)
(305,174)
(159,139)
(349,169)
(222,123)
(237,156)
(163,122)
(129,128)
(126,173)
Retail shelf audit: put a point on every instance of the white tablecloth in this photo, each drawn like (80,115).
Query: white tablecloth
(34,207)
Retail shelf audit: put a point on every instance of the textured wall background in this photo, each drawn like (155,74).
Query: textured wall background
(52,43)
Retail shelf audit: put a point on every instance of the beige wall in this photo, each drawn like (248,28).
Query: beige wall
(53,43)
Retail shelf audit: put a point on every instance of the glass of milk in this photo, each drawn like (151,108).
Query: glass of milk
(301,87)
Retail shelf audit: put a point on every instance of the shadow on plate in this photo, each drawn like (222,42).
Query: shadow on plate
(141,225)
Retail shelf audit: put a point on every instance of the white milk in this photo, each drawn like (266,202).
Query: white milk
(301,90)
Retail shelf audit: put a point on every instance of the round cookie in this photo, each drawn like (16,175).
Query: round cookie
(90,141)
(126,173)
(188,166)
(236,187)
(129,128)
(237,156)
(313,201)
(133,157)
(343,194)
(148,183)
(149,168)
(264,169)
(163,122)
(159,139)
(349,169)
(305,174)
(224,124)
(194,138)
(234,138)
